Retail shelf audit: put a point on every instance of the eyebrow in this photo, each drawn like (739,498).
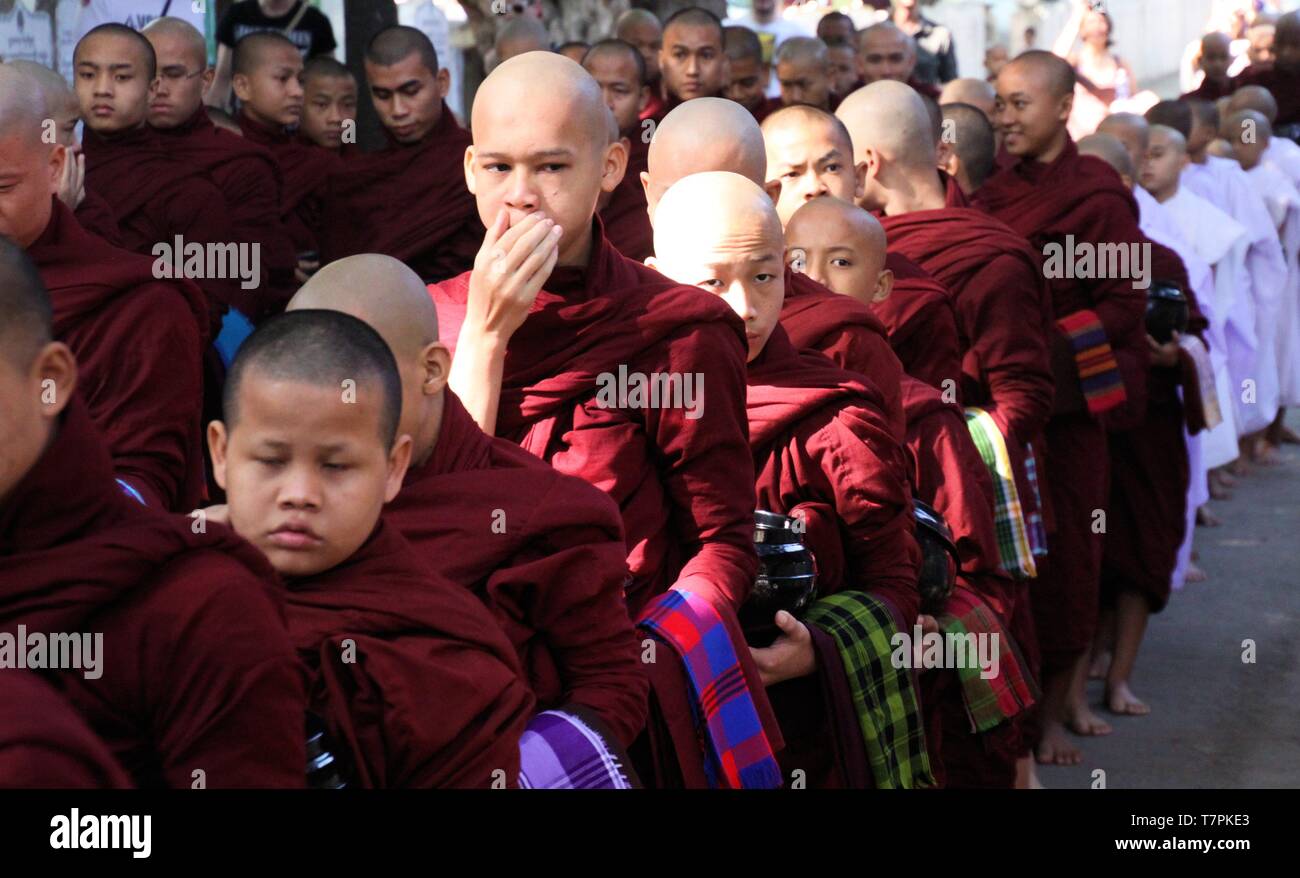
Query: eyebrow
(92,64)
(403,85)
(560,152)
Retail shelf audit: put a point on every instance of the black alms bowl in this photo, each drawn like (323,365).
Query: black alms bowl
(1167,311)
(787,577)
(938,557)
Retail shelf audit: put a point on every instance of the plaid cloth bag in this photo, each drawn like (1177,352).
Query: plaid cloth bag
(560,751)
(739,755)
(1015,550)
(893,731)
(991,702)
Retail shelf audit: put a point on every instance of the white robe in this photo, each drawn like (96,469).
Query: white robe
(1283,201)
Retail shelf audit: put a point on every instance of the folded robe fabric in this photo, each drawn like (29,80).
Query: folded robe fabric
(627,222)
(304,168)
(560,750)
(989,702)
(888,710)
(1014,548)
(922,327)
(739,755)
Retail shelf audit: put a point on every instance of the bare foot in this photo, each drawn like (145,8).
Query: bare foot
(1056,748)
(1027,774)
(1265,454)
(1121,700)
(1239,468)
(1100,665)
(1206,518)
(1082,721)
(1194,574)
(1289,436)
(1225,477)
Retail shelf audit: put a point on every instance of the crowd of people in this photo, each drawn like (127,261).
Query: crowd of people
(714,406)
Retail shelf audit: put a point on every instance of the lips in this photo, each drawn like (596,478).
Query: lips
(101,110)
(294,537)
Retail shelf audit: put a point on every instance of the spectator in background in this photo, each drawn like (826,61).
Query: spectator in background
(1104,79)
(995,58)
(936,57)
(305,26)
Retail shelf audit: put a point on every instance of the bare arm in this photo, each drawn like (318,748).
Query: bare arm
(218,94)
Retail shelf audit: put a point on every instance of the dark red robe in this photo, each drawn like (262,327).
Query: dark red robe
(198,679)
(766,108)
(250,184)
(45,744)
(96,216)
(544,552)
(303,168)
(1284,85)
(626,220)
(1210,91)
(1084,197)
(918,316)
(409,202)
(850,334)
(139,344)
(434,697)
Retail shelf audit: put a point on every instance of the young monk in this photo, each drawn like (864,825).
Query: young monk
(817,435)
(711,134)
(542,550)
(640,28)
(329,106)
(154,195)
(1281,151)
(520,35)
(1050,192)
(620,71)
(803,69)
(750,74)
(1214,61)
(1282,77)
(44,744)
(268,69)
(692,59)
(411,674)
(977,93)
(842,55)
(672,471)
(408,201)
(139,338)
(886,52)
(970,156)
(245,174)
(189,677)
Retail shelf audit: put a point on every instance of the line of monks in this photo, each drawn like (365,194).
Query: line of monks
(395,537)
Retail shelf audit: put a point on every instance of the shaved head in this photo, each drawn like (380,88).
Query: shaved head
(974,143)
(1216,40)
(22,104)
(1254,97)
(803,116)
(633,19)
(26,318)
(1172,114)
(974,92)
(842,247)
(694,16)
(850,215)
(704,134)
(144,49)
(519,36)
(1171,138)
(196,45)
(377,289)
(1130,131)
(1236,123)
(547,78)
(252,50)
(393,45)
(58,100)
(324,65)
(31,162)
(1111,151)
(742,44)
(885,52)
(890,118)
(613,48)
(1055,73)
(801,50)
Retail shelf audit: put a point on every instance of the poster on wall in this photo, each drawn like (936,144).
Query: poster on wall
(25,33)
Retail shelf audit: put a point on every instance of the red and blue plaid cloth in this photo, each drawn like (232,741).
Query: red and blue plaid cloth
(988,702)
(559,751)
(1103,386)
(737,753)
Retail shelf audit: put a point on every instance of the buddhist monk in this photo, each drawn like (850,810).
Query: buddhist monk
(692,59)
(574,50)
(969,156)
(413,677)
(1282,77)
(640,28)
(182,667)
(803,69)
(543,550)
(44,744)
(1281,151)
(1214,60)
(712,134)
(540,158)
(620,71)
(977,93)
(519,35)
(139,338)
(268,71)
(408,201)
(750,74)
(1048,193)
(818,437)
(843,59)
(155,196)
(886,52)
(329,106)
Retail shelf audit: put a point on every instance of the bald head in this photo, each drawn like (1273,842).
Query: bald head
(973,144)
(800,50)
(58,101)
(183,33)
(541,80)
(23,106)
(519,36)
(632,20)
(1111,151)
(841,246)
(885,52)
(379,290)
(1130,131)
(891,119)
(826,212)
(1052,72)
(1254,97)
(977,93)
(141,48)
(704,134)
(1168,138)
(742,44)
(253,50)
(26,321)
(802,117)
(393,45)
(1172,114)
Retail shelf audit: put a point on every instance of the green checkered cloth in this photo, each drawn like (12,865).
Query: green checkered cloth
(1014,548)
(893,732)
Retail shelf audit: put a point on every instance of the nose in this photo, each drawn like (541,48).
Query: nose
(814,187)
(400,108)
(300,489)
(521,195)
(295,88)
(816,271)
(104,83)
(741,302)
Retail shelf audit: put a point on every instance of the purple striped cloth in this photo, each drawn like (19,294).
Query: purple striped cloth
(558,751)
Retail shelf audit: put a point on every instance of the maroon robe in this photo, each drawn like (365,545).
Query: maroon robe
(850,334)
(155,197)
(1210,91)
(139,344)
(1080,196)
(918,316)
(1284,85)
(303,168)
(766,108)
(45,744)
(434,697)
(552,574)
(197,672)
(409,202)
(96,216)
(251,187)
(681,483)
(626,220)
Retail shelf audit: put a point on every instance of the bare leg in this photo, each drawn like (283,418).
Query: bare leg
(1103,645)
(1194,574)
(1079,717)
(1275,434)
(1055,746)
(1132,612)
(1027,774)
(1206,518)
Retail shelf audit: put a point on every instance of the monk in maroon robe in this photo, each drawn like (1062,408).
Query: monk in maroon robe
(543,551)
(620,70)
(692,60)
(416,682)
(245,173)
(640,28)
(541,367)
(329,107)
(1282,77)
(750,72)
(1051,192)
(408,201)
(175,652)
(156,197)
(1214,61)
(44,744)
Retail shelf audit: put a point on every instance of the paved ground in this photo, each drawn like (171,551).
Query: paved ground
(1218,722)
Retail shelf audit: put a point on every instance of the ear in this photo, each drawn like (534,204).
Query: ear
(1067,106)
(437,366)
(218,438)
(645,99)
(469,168)
(884,286)
(870,165)
(859,181)
(614,165)
(442,82)
(942,152)
(58,159)
(773,189)
(208,75)
(54,371)
(240,84)
(398,460)
(644,176)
